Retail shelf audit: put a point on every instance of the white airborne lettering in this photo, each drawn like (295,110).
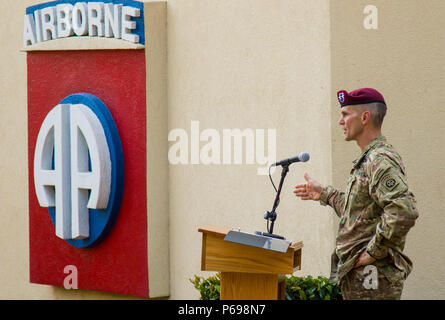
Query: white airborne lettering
(93,19)
(72,168)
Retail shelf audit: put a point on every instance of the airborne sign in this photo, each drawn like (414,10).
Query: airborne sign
(60,19)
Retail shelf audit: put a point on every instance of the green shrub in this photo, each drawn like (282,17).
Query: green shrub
(209,288)
(297,288)
(309,288)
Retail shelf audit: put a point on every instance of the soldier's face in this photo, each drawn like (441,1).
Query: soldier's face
(350,122)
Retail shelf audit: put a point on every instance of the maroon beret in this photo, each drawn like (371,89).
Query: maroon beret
(359,96)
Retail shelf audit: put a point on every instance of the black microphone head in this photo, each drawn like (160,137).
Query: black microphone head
(304,156)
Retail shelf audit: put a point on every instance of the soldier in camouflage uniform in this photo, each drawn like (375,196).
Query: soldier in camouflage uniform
(376,210)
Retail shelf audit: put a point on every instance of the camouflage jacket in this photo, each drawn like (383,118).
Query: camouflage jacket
(376,210)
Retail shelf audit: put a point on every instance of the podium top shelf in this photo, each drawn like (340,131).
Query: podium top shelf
(222,232)
(215,230)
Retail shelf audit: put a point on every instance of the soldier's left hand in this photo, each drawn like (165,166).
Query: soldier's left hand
(364,260)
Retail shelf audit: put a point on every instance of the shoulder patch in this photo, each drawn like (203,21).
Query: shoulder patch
(390,182)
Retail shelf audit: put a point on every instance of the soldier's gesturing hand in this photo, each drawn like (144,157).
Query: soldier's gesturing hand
(364,259)
(310,190)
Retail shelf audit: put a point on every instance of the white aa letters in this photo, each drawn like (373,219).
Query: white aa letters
(72,168)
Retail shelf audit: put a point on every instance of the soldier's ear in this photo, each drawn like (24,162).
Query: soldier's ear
(365,117)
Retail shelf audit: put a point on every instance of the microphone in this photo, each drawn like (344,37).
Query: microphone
(302,157)
(272,215)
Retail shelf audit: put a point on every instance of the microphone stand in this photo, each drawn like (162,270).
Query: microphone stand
(272,215)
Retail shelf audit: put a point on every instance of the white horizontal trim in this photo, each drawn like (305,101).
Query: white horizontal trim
(83,43)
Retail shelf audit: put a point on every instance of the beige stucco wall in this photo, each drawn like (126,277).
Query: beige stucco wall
(261,64)
(403,59)
(248,64)
(14,275)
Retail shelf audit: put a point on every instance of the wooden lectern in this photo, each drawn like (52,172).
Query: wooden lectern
(247,272)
